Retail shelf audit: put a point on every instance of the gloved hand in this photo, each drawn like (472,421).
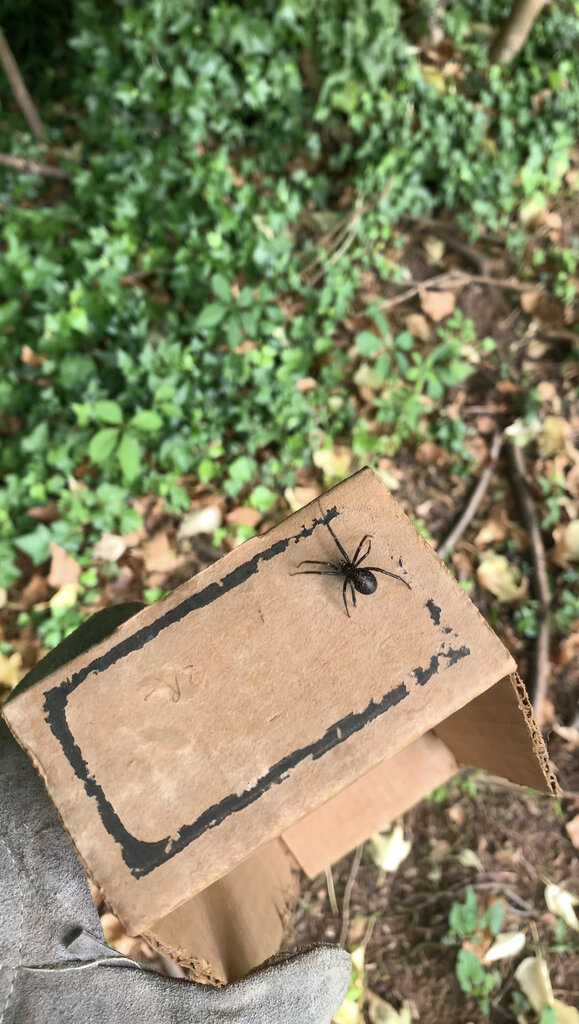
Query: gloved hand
(55,966)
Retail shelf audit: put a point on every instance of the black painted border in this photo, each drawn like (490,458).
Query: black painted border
(143,857)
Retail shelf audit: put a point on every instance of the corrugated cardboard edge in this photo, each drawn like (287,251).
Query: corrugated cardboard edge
(497,732)
(236,923)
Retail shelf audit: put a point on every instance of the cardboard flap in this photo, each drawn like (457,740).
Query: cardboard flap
(215,719)
(370,803)
(237,922)
(497,732)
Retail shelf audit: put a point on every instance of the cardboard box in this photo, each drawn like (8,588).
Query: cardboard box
(247,724)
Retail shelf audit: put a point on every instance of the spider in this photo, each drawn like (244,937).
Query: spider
(361,580)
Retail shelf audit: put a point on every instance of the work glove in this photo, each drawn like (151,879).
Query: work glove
(55,966)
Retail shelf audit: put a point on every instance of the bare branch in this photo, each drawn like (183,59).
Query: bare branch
(21,94)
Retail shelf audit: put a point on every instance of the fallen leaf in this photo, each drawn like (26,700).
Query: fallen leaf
(493,530)
(65,596)
(571,540)
(366,377)
(334,462)
(496,574)
(561,902)
(11,671)
(572,830)
(565,1014)
(244,516)
(457,815)
(381,1012)
(349,1013)
(469,859)
(306,384)
(434,248)
(552,436)
(297,497)
(63,567)
(201,520)
(390,849)
(532,977)
(417,325)
(437,305)
(109,548)
(530,299)
(506,944)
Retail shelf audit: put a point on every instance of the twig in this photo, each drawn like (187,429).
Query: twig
(348,894)
(19,163)
(477,496)
(21,94)
(540,580)
(454,279)
(331,891)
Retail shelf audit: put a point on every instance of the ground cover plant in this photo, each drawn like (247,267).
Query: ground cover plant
(291,239)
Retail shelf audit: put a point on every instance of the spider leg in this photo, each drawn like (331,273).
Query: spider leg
(313,561)
(356,560)
(374,568)
(317,572)
(344,596)
(340,547)
(353,589)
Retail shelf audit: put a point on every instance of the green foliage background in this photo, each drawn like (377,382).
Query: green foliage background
(185,121)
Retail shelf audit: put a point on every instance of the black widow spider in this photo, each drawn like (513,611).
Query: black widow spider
(361,580)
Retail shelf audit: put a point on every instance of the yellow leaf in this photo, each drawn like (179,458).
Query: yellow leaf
(532,977)
(565,1014)
(11,671)
(65,596)
(381,1012)
(433,76)
(390,849)
(497,574)
(506,944)
(349,1013)
(561,903)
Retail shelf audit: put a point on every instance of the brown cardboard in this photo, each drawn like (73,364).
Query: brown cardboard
(369,803)
(214,721)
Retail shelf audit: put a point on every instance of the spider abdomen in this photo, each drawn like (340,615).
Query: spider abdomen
(363,580)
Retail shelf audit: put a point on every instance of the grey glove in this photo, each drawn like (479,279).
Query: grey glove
(56,968)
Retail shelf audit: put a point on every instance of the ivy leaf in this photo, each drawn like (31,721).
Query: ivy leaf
(221,287)
(211,315)
(129,456)
(147,420)
(36,544)
(103,444)
(108,411)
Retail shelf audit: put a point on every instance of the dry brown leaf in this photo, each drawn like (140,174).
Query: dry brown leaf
(31,358)
(495,529)
(552,436)
(417,325)
(158,555)
(200,520)
(109,548)
(437,305)
(434,248)
(571,540)
(297,497)
(306,384)
(572,829)
(529,300)
(63,567)
(244,516)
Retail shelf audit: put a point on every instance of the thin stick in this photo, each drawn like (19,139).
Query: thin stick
(454,279)
(540,580)
(331,891)
(19,163)
(348,894)
(477,496)
(21,94)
